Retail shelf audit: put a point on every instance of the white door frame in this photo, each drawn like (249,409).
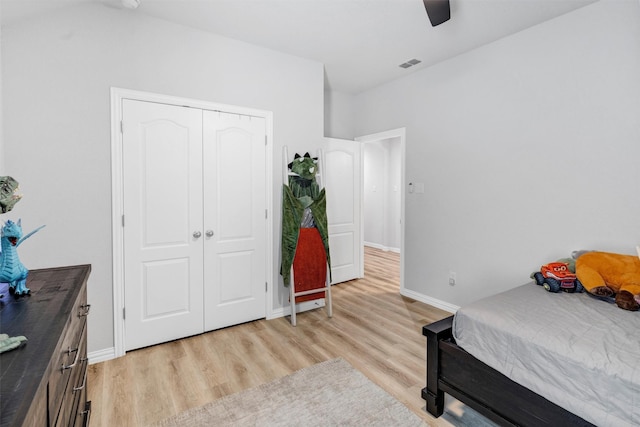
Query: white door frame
(393,133)
(117,95)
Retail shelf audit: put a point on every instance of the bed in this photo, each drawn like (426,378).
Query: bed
(529,357)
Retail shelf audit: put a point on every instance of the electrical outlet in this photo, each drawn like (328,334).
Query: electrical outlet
(452,278)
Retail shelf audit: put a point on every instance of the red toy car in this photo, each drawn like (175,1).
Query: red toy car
(556,276)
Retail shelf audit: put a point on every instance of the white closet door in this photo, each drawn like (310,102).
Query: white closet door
(162,167)
(235,218)
(343,177)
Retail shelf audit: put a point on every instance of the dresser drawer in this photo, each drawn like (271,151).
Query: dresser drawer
(77,382)
(83,416)
(81,408)
(68,359)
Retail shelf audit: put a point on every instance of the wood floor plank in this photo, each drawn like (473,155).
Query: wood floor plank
(373,327)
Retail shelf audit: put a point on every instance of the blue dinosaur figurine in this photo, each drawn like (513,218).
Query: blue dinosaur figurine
(11,269)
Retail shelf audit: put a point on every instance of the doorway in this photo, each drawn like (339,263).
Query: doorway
(383,194)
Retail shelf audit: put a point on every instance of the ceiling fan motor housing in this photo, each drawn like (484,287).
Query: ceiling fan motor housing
(438,11)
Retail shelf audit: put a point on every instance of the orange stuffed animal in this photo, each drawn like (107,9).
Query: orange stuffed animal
(604,274)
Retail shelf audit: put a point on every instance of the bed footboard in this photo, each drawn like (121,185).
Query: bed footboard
(435,332)
(451,370)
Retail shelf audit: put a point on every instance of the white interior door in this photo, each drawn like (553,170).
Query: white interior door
(235,219)
(162,197)
(343,184)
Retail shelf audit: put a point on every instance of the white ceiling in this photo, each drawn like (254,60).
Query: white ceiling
(361,42)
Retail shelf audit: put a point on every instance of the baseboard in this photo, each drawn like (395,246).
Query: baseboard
(276,314)
(102,355)
(382,247)
(300,308)
(428,300)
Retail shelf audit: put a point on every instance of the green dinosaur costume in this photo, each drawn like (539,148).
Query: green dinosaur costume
(303,205)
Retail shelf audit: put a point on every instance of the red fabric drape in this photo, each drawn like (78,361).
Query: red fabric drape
(310,264)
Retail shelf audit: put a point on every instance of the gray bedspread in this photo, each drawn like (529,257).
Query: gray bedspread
(579,352)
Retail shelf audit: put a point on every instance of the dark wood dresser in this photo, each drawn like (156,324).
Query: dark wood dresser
(44,382)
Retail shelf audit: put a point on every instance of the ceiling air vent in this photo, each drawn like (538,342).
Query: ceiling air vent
(410,63)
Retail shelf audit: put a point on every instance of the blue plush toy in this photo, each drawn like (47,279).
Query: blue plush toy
(11,269)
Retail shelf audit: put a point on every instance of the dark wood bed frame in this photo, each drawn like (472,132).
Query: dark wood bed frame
(452,370)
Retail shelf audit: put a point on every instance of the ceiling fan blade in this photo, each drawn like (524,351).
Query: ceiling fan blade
(438,11)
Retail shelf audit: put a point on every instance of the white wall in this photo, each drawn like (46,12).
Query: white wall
(381,183)
(58,70)
(373,192)
(528,148)
(339,115)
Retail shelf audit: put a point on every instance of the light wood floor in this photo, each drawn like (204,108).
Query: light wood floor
(374,328)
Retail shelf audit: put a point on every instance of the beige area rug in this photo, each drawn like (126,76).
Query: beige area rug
(331,393)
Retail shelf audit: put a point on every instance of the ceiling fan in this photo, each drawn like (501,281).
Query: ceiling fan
(438,11)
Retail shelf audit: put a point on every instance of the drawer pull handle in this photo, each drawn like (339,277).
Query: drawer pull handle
(84,310)
(84,381)
(86,414)
(75,360)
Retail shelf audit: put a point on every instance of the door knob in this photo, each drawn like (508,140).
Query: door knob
(197,234)
(209,233)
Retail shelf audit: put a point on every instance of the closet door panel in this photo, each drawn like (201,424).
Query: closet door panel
(235,218)
(162,171)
